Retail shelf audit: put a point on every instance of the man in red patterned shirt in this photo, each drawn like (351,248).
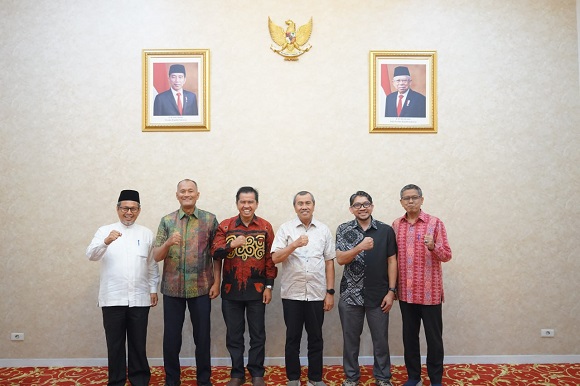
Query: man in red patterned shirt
(243,243)
(423,246)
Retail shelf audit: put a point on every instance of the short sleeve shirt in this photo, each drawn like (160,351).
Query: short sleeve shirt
(365,280)
(303,275)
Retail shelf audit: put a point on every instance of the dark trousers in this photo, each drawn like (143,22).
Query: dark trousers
(123,323)
(298,315)
(235,312)
(173,318)
(352,321)
(433,324)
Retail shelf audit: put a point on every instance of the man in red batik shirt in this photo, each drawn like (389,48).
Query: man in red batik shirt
(243,243)
(423,246)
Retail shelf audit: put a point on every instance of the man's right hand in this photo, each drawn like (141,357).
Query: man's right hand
(301,241)
(367,243)
(238,242)
(174,239)
(114,235)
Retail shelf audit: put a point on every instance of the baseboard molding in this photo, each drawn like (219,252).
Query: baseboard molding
(279,361)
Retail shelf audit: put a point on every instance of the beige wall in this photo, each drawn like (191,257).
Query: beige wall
(502,172)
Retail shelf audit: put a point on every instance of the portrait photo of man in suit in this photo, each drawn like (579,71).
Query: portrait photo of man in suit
(176,100)
(404,102)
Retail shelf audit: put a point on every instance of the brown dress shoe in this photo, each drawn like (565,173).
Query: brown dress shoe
(235,382)
(258,381)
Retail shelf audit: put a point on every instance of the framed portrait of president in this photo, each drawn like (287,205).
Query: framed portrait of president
(403,92)
(176,90)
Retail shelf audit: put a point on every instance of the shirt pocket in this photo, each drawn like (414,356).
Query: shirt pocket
(143,249)
(316,249)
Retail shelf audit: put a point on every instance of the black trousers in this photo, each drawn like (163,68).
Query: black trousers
(173,318)
(235,312)
(297,316)
(127,324)
(433,324)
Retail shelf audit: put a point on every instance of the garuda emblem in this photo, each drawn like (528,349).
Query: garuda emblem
(291,43)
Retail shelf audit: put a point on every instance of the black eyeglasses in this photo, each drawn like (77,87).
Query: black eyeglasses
(358,205)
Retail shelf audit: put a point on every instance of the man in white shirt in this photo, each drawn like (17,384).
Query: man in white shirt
(305,247)
(128,288)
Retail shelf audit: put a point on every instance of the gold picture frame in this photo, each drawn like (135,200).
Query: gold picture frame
(160,104)
(417,111)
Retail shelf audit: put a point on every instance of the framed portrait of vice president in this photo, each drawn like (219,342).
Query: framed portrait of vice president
(403,92)
(176,90)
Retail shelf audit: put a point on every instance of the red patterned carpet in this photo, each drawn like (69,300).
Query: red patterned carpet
(460,375)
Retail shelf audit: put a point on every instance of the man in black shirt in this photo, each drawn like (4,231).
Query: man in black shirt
(368,250)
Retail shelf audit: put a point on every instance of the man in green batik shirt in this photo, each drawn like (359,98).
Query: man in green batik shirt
(183,243)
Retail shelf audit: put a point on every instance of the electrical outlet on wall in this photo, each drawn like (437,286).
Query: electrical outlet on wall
(547,332)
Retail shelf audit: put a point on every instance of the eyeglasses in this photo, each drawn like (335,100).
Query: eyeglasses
(358,205)
(401,80)
(409,198)
(126,209)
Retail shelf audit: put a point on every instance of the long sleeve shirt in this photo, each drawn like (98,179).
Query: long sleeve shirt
(129,274)
(249,268)
(188,268)
(420,273)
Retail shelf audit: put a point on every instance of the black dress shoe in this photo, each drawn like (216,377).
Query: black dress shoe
(258,381)
(235,382)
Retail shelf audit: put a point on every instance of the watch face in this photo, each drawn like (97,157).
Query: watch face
(330,291)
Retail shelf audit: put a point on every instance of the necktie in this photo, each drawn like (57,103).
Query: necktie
(399,105)
(179,105)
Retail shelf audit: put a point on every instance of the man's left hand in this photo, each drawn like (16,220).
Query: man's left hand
(214,291)
(387,302)
(429,242)
(328,302)
(267,296)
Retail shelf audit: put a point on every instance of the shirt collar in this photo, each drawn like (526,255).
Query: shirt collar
(240,222)
(354,223)
(422,216)
(126,226)
(183,214)
(296,222)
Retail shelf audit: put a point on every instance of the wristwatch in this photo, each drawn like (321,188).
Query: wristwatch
(269,286)
(330,291)
(394,290)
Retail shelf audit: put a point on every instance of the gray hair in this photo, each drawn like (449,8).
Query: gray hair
(412,187)
(187,179)
(303,193)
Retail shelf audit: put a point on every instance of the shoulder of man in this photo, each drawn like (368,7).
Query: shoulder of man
(171,216)
(384,227)
(264,223)
(109,227)
(430,219)
(206,214)
(319,224)
(228,221)
(142,228)
(416,94)
(345,225)
(397,220)
(164,93)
